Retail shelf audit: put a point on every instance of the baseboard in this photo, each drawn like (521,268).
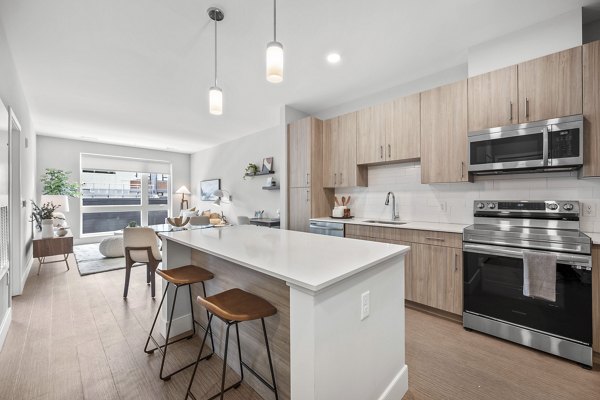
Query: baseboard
(23,279)
(180,325)
(4,326)
(397,387)
(433,311)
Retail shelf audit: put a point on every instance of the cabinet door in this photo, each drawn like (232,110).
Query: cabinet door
(374,125)
(345,158)
(493,99)
(403,141)
(591,110)
(329,153)
(408,272)
(299,150)
(551,86)
(444,134)
(299,209)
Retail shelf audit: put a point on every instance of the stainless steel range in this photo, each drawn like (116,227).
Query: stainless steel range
(494,302)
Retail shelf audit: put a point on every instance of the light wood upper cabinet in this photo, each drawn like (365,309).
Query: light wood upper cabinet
(374,126)
(339,153)
(591,109)
(299,150)
(444,134)
(404,138)
(493,99)
(551,86)
(300,209)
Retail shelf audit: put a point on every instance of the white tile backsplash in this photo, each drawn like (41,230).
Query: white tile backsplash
(419,202)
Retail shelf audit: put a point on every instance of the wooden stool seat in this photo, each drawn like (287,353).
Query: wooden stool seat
(186,275)
(237,305)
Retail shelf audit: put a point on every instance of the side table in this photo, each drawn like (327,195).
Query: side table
(54,246)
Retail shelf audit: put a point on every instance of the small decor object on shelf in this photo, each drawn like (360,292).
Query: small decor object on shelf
(62,231)
(259,214)
(43,218)
(251,170)
(267,165)
(208,187)
(178,222)
(132,224)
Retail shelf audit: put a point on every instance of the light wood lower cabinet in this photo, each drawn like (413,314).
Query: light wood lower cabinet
(433,272)
(596,298)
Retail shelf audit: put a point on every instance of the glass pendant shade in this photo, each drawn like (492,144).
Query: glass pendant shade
(274,62)
(215,100)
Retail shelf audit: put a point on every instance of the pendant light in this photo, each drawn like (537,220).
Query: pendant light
(274,53)
(215,94)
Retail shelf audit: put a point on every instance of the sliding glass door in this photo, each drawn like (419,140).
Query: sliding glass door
(113,199)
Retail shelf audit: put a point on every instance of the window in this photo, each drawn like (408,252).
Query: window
(111,199)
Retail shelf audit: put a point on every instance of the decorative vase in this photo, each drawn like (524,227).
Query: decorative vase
(62,231)
(47,228)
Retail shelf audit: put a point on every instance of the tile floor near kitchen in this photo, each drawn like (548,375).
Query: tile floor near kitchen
(74,337)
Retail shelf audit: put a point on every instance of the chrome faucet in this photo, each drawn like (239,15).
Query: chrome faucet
(387,203)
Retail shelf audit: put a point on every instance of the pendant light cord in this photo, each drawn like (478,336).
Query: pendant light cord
(274,20)
(215,50)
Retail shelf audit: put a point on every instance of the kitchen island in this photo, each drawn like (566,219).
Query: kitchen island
(323,345)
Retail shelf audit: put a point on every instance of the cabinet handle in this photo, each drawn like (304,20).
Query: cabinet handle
(389,150)
(334,179)
(462,169)
(510,111)
(434,238)
(308,196)
(307,178)
(526,107)
(381,152)
(341,178)
(455,262)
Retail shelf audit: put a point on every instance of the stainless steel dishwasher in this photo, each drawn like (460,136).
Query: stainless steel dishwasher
(327,228)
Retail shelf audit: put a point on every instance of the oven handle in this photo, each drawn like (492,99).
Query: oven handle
(564,258)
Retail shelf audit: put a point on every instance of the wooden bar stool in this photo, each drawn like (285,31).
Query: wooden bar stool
(181,276)
(235,306)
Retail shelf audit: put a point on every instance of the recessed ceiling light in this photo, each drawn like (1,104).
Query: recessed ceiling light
(333,58)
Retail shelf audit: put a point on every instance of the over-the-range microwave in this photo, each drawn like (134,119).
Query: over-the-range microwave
(550,145)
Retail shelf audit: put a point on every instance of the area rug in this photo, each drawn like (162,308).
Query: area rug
(91,261)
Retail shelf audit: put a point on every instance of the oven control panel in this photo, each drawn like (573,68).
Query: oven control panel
(527,206)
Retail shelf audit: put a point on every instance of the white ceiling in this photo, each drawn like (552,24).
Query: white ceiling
(138,71)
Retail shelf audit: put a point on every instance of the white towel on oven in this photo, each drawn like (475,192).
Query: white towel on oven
(539,275)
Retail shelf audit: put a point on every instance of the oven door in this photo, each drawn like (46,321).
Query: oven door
(493,287)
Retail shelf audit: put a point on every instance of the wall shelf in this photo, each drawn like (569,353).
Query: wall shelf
(261,173)
(271,187)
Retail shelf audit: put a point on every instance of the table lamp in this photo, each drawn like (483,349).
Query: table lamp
(183,191)
(60,200)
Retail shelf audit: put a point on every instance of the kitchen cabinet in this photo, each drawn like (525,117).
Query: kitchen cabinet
(596,298)
(591,110)
(307,198)
(444,134)
(493,99)
(551,86)
(339,153)
(389,132)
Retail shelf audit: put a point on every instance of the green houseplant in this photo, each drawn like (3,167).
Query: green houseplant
(43,217)
(56,183)
(251,170)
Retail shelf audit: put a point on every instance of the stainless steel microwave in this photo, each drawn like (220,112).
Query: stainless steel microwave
(554,144)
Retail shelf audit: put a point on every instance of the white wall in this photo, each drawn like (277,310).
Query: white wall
(12,94)
(3,159)
(559,33)
(65,154)
(227,161)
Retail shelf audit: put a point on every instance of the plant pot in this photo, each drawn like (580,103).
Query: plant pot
(47,228)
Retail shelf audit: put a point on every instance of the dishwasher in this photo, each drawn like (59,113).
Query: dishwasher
(327,228)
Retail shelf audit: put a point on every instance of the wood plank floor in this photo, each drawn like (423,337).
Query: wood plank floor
(74,337)
(446,362)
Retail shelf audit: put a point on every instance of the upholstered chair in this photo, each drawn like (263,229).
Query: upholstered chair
(141,246)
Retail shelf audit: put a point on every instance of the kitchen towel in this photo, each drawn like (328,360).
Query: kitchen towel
(539,275)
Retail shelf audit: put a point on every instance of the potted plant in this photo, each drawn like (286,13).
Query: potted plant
(44,218)
(57,188)
(251,170)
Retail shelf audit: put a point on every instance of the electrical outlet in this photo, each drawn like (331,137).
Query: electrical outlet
(365,305)
(589,210)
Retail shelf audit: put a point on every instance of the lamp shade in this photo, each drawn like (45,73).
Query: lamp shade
(183,190)
(215,100)
(59,200)
(274,62)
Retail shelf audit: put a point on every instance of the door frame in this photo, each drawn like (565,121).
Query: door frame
(14,205)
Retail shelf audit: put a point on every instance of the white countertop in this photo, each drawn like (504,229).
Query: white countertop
(422,226)
(303,259)
(595,236)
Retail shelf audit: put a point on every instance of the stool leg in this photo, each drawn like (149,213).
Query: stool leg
(237,333)
(225,360)
(153,284)
(192,310)
(270,361)
(127,275)
(155,319)
(212,342)
(189,390)
(162,364)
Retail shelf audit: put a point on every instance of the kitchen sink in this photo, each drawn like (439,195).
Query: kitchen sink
(374,221)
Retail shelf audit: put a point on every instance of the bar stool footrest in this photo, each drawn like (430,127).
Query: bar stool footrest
(260,378)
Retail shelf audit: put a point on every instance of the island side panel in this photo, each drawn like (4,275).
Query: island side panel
(174,255)
(229,275)
(336,355)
